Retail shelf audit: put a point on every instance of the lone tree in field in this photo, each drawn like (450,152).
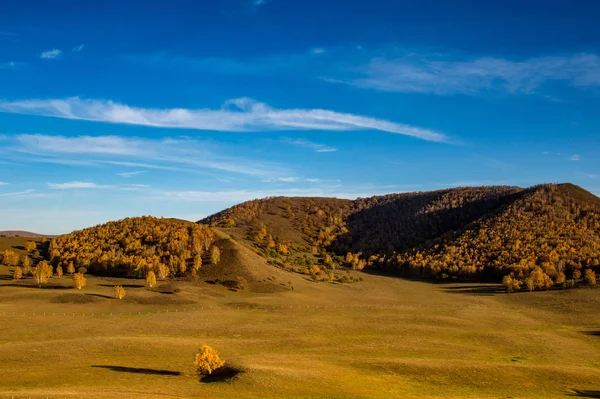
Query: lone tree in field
(207,360)
(42,273)
(119,292)
(79,280)
(150,279)
(18,273)
(215,255)
(30,246)
(59,271)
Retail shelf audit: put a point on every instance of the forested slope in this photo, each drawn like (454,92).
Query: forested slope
(540,236)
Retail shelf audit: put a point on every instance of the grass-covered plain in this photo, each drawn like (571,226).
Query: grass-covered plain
(382,338)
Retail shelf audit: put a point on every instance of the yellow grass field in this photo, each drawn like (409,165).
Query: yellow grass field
(381,338)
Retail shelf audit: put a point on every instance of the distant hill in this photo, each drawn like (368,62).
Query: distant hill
(19,233)
(547,233)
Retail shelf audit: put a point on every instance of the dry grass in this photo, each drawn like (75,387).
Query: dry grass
(461,345)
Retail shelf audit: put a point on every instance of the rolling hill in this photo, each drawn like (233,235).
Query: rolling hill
(540,236)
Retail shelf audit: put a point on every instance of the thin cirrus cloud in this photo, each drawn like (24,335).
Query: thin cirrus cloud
(237,115)
(78,48)
(51,54)
(76,185)
(317,147)
(236,196)
(169,154)
(442,75)
(128,175)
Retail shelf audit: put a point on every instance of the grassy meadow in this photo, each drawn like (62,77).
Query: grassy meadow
(381,338)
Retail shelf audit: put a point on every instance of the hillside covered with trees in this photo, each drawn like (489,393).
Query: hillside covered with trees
(537,237)
(136,246)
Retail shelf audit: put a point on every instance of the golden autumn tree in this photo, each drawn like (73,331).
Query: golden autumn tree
(59,271)
(507,282)
(71,268)
(42,273)
(119,292)
(26,263)
(17,273)
(9,258)
(79,280)
(30,246)
(207,360)
(589,277)
(163,271)
(150,279)
(215,255)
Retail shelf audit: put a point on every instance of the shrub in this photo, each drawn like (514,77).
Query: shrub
(589,277)
(71,268)
(150,279)
(119,292)
(215,255)
(79,280)
(59,271)
(207,360)
(18,273)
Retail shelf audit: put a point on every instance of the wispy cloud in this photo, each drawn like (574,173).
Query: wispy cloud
(318,50)
(288,179)
(8,65)
(127,175)
(9,36)
(183,155)
(78,48)
(258,3)
(575,157)
(76,185)
(309,144)
(236,196)
(51,54)
(2,183)
(445,75)
(237,115)
(17,193)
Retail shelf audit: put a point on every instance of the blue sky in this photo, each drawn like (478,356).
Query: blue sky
(180,109)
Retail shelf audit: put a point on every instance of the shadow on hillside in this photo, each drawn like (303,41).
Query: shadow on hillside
(592,333)
(19,247)
(484,290)
(136,370)
(223,374)
(122,285)
(397,222)
(584,393)
(43,287)
(100,296)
